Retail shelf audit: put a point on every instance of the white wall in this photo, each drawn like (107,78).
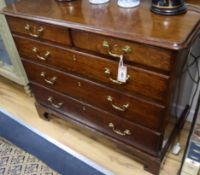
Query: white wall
(188,85)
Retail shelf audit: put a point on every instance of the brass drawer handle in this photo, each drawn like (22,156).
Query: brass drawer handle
(123,108)
(125,50)
(122,133)
(107,72)
(33,31)
(49,81)
(43,58)
(58,105)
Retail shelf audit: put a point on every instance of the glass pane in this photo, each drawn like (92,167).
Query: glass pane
(3,54)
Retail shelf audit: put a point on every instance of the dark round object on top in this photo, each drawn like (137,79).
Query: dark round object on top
(168,7)
(64,0)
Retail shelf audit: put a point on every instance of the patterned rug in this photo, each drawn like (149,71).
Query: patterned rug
(14,161)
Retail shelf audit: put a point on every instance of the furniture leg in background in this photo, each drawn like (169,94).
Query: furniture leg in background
(14,69)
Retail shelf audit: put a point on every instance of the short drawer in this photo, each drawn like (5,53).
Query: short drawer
(106,123)
(142,54)
(39,30)
(131,108)
(141,82)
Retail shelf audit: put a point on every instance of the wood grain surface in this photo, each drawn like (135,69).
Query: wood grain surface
(107,31)
(50,33)
(136,24)
(100,120)
(97,95)
(142,81)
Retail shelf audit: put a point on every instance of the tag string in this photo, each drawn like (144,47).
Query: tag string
(121,62)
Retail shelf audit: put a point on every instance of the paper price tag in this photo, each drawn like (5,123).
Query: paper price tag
(122,71)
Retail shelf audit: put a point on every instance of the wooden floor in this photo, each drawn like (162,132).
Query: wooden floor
(14,100)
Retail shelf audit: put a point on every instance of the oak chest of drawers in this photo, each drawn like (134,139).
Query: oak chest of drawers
(71,52)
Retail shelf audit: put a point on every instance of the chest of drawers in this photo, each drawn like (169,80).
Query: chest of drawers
(71,52)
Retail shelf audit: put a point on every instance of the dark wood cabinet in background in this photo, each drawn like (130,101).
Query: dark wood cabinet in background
(71,52)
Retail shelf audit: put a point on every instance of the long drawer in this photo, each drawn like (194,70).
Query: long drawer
(141,82)
(131,108)
(157,58)
(106,123)
(39,30)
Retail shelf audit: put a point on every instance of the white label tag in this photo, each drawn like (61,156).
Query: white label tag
(122,71)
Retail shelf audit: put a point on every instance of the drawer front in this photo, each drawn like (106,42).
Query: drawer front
(39,30)
(141,82)
(137,53)
(104,122)
(128,107)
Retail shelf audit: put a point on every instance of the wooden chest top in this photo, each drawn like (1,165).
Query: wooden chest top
(71,52)
(135,24)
